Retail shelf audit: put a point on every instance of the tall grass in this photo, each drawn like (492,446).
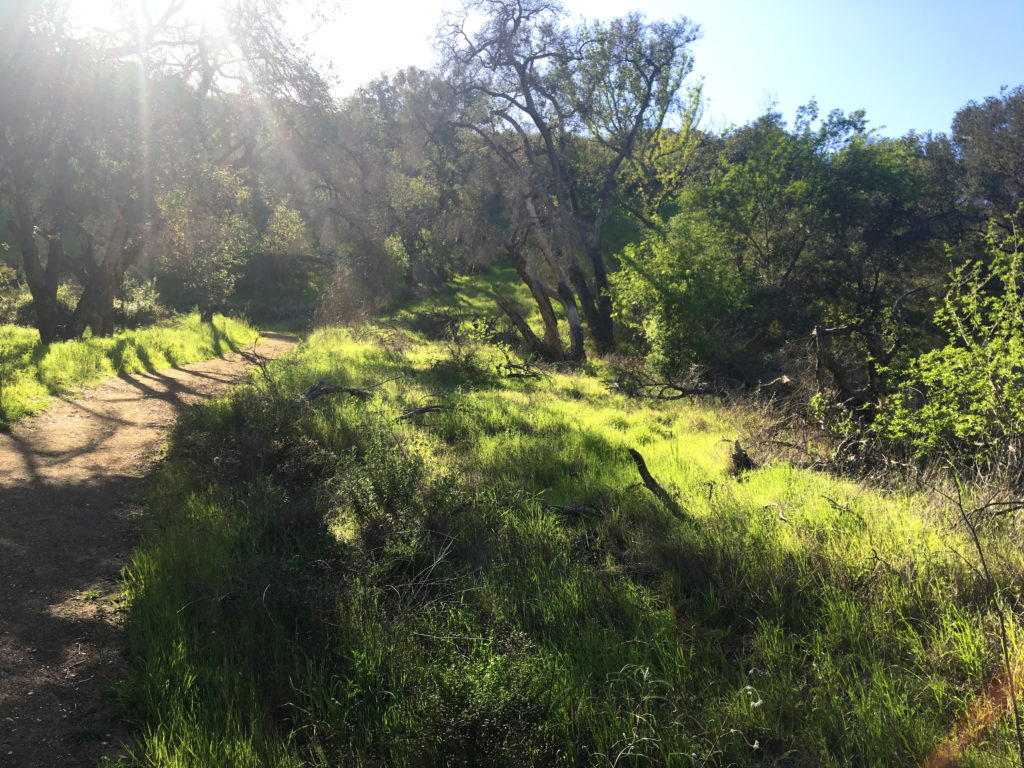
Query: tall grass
(31,373)
(491,584)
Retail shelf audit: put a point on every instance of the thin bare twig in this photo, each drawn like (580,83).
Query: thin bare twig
(994,594)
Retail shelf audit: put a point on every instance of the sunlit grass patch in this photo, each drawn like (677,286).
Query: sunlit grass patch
(31,373)
(491,582)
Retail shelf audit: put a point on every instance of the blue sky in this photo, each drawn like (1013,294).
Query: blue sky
(910,64)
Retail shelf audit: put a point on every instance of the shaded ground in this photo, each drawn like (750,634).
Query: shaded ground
(67,478)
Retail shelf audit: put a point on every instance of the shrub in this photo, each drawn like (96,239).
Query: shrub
(138,304)
(968,396)
(13,297)
(678,288)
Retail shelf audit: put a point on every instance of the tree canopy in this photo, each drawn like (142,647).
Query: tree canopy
(572,150)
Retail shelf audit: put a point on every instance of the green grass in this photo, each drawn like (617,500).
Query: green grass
(32,373)
(492,585)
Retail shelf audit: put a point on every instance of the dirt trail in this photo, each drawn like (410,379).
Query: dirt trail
(67,478)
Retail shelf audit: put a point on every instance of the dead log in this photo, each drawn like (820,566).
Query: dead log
(654,487)
(637,383)
(420,411)
(677,392)
(512,370)
(779,386)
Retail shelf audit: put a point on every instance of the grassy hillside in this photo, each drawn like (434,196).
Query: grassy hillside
(490,583)
(31,372)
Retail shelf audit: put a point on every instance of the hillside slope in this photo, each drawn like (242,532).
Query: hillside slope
(488,582)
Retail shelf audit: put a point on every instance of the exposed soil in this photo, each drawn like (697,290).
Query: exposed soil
(67,528)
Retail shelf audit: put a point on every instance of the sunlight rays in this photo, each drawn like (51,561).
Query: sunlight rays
(203,42)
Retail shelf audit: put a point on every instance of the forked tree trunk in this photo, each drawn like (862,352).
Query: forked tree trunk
(565,293)
(552,341)
(95,309)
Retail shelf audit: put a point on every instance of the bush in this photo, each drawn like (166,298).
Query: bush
(138,304)
(968,396)
(13,297)
(679,288)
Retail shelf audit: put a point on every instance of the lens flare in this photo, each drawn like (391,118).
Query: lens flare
(993,703)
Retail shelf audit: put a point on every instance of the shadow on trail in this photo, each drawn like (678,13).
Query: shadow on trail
(185,388)
(67,479)
(176,389)
(57,637)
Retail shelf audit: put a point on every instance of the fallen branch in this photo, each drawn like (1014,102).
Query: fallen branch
(263,365)
(653,486)
(321,388)
(665,391)
(512,370)
(419,411)
(639,384)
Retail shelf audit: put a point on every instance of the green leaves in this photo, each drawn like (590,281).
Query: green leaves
(678,287)
(207,230)
(969,395)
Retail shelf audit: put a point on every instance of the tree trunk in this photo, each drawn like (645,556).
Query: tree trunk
(565,293)
(95,308)
(44,295)
(552,340)
(576,351)
(539,348)
(603,329)
(599,322)
(42,281)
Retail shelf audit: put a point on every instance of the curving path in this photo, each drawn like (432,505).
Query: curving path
(67,480)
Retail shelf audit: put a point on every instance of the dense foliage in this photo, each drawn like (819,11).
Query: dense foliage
(491,583)
(681,290)
(564,149)
(966,399)
(122,150)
